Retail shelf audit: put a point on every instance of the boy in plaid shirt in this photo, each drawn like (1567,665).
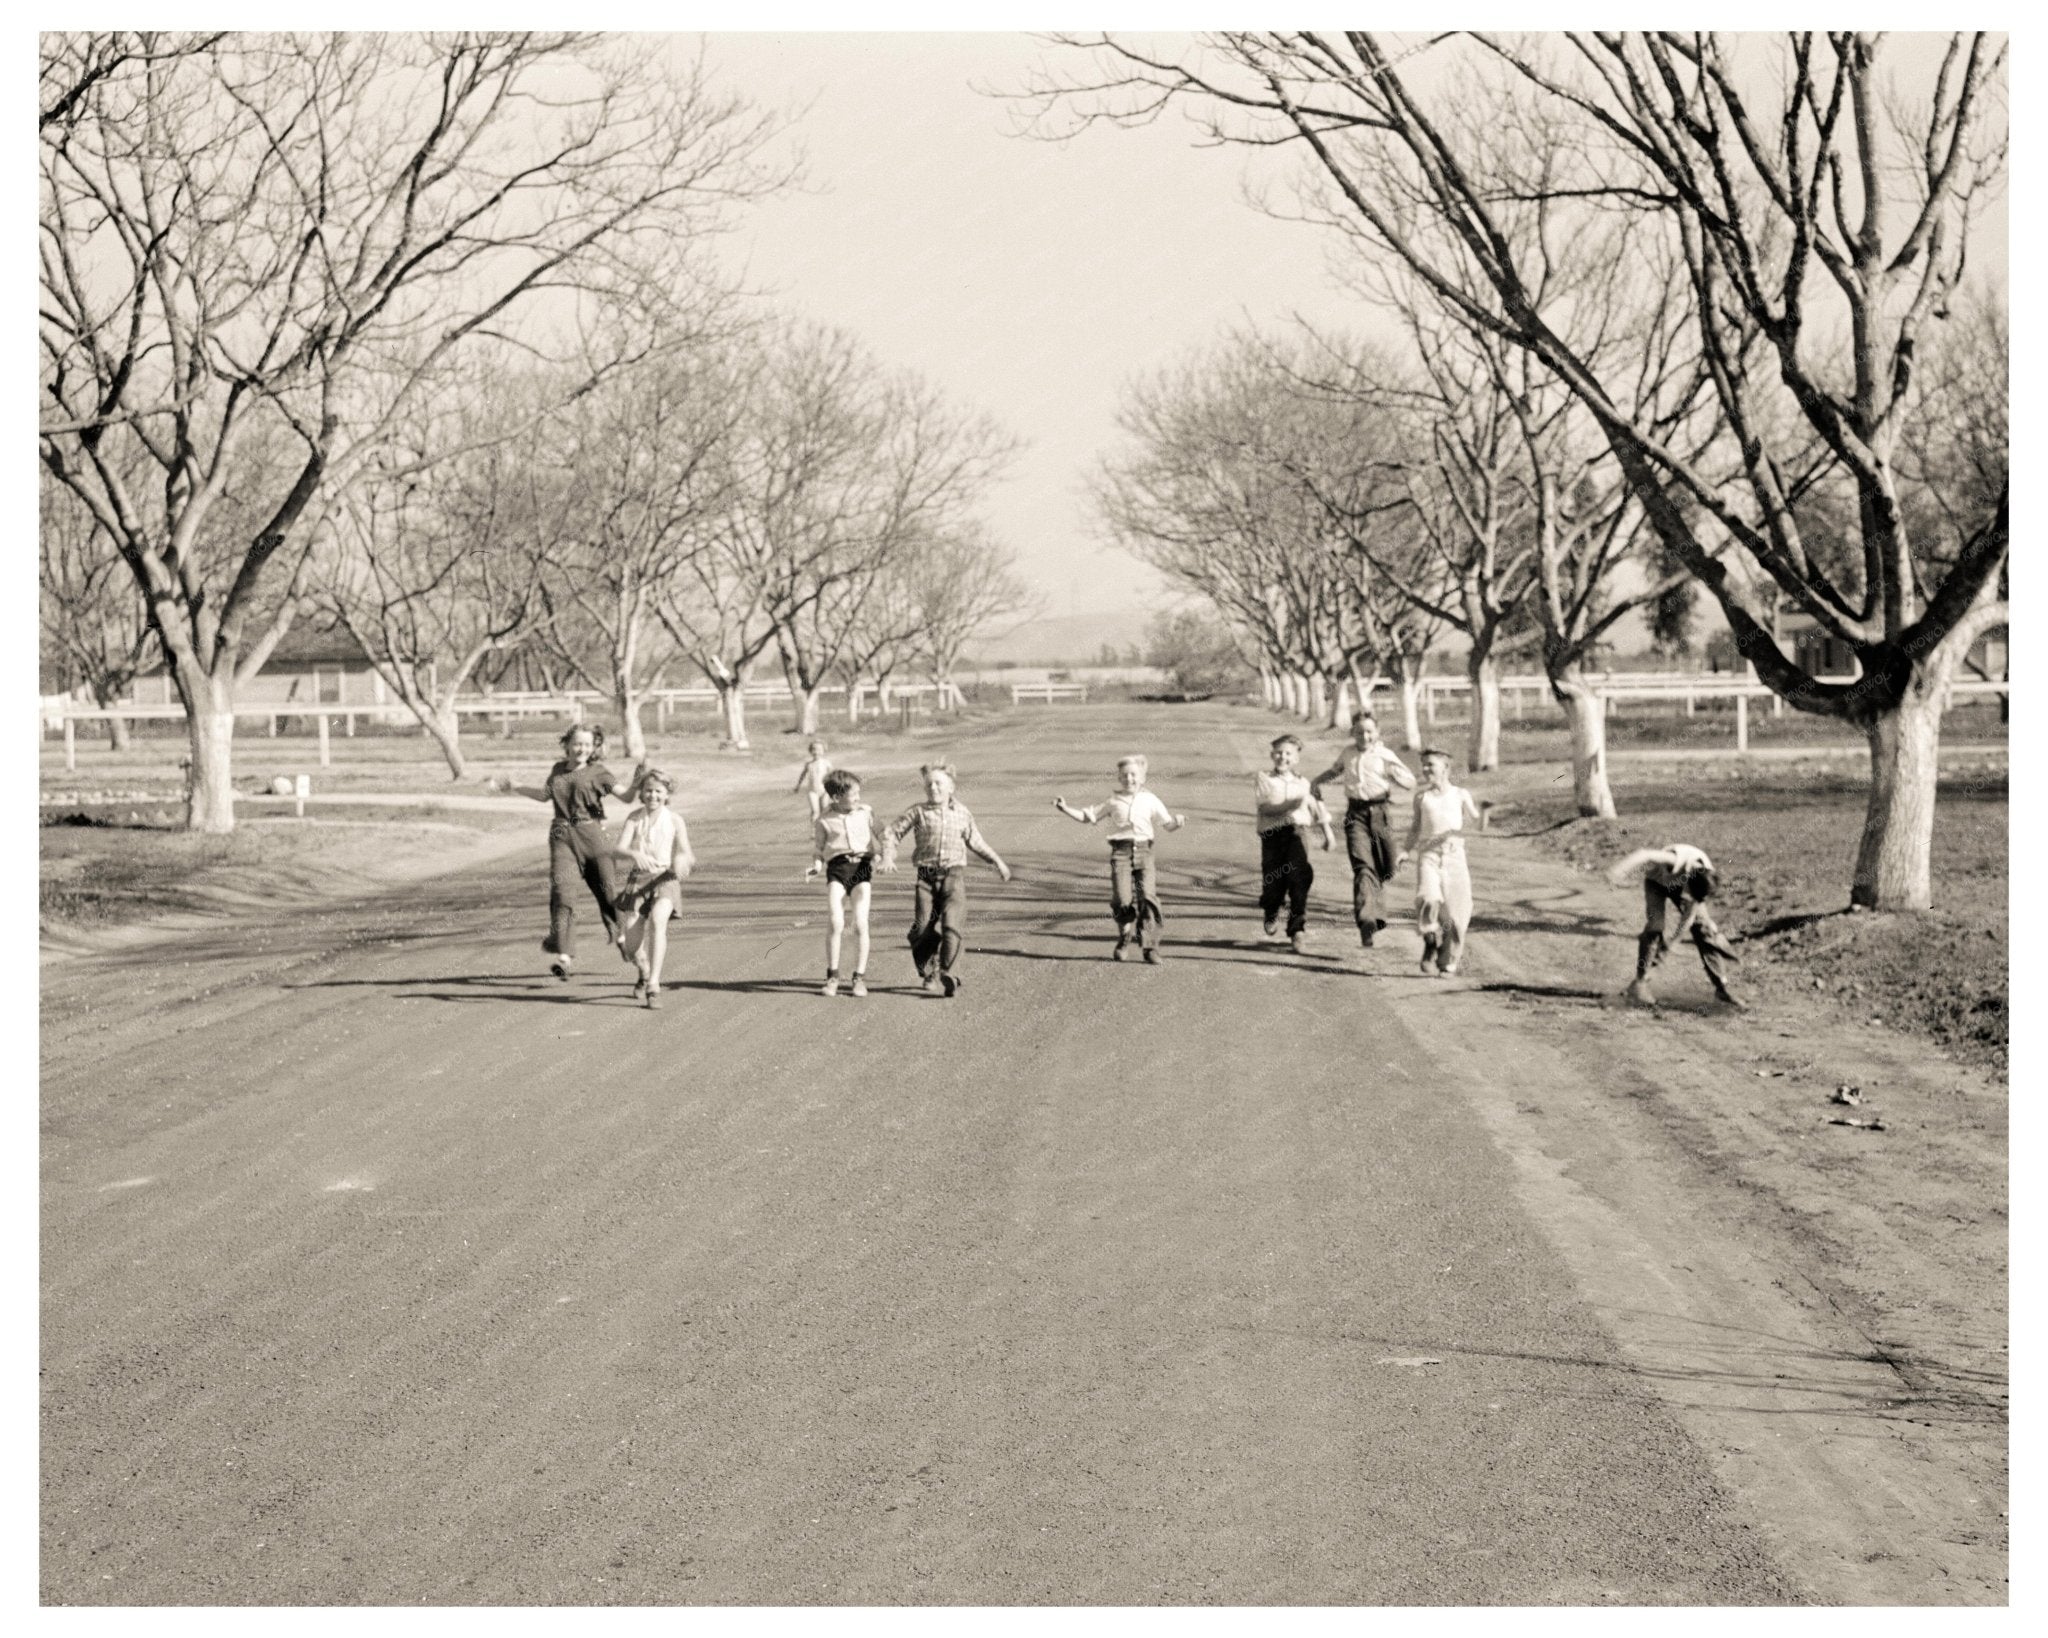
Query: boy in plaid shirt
(946,834)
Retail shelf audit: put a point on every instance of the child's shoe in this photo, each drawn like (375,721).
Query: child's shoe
(1428,952)
(560,968)
(1272,927)
(652,1000)
(1638,994)
(640,988)
(1152,957)
(951,984)
(1298,943)
(930,986)
(830,986)
(1117,954)
(1730,1000)
(859,987)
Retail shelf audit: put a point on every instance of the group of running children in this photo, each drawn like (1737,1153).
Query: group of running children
(635,880)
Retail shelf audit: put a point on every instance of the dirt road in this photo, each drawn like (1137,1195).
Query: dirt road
(378,1267)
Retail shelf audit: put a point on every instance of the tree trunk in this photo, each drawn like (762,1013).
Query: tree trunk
(1410,674)
(627,698)
(1340,703)
(1317,699)
(1269,690)
(210,725)
(1898,824)
(732,704)
(1585,713)
(445,725)
(117,733)
(807,711)
(1482,738)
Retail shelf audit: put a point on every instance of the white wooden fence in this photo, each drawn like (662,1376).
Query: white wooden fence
(1048,692)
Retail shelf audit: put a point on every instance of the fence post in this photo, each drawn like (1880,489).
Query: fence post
(70,744)
(323,739)
(273,725)
(348,725)
(1688,702)
(1742,722)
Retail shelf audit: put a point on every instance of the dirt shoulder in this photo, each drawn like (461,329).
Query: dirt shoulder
(1690,1163)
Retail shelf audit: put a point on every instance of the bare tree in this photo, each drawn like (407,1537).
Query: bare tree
(1821,207)
(841,469)
(641,466)
(95,630)
(276,237)
(1219,492)
(958,583)
(435,551)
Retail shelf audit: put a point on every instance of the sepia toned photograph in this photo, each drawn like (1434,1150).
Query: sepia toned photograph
(996,821)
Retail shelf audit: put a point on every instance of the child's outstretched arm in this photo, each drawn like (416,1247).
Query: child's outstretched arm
(533,793)
(978,846)
(1322,818)
(1085,815)
(898,827)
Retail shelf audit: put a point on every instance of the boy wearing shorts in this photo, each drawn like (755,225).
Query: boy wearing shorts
(843,852)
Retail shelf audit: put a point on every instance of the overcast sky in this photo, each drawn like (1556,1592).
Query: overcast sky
(1029,278)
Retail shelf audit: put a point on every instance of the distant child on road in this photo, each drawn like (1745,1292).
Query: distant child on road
(1131,811)
(946,833)
(654,849)
(1286,807)
(1683,878)
(843,852)
(1436,842)
(1371,773)
(810,778)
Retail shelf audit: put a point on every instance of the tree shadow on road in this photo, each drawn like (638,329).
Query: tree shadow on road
(1546,992)
(755,986)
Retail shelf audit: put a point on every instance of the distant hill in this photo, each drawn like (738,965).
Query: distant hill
(1060,639)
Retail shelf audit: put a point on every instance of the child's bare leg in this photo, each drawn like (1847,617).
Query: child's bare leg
(655,944)
(860,929)
(835,925)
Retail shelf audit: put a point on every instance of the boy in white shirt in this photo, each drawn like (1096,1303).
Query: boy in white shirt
(1683,877)
(654,844)
(1443,886)
(1370,773)
(843,852)
(1130,811)
(1286,806)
